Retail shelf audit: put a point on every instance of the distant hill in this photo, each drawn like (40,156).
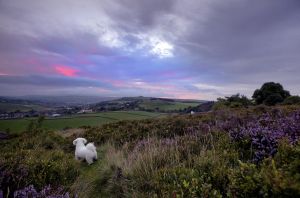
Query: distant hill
(10,104)
(147,104)
(69,99)
(96,103)
(204,107)
(41,103)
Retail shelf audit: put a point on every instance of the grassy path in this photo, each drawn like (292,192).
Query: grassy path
(85,184)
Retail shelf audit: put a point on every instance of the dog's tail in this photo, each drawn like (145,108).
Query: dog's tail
(91,147)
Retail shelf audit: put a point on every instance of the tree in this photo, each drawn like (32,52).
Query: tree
(270,94)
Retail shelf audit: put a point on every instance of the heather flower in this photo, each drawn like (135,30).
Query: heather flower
(265,132)
(47,192)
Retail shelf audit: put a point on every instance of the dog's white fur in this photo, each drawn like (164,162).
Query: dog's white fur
(82,151)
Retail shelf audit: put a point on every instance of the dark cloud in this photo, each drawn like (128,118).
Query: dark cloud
(225,46)
(52,81)
(245,29)
(138,14)
(78,43)
(13,43)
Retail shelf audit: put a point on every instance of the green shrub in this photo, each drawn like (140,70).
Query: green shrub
(219,106)
(277,177)
(292,100)
(246,181)
(206,177)
(179,182)
(234,101)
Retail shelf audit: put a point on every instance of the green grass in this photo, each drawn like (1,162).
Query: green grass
(74,121)
(121,114)
(60,123)
(167,106)
(14,125)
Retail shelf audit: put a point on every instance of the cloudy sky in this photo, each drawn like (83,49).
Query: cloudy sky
(200,49)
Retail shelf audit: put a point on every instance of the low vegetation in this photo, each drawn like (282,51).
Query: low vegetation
(292,100)
(36,159)
(239,152)
(243,150)
(234,101)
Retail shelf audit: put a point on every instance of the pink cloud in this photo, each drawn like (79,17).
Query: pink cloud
(138,84)
(152,87)
(116,83)
(102,90)
(183,94)
(161,89)
(3,74)
(66,70)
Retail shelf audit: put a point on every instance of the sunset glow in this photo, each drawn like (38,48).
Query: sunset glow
(66,71)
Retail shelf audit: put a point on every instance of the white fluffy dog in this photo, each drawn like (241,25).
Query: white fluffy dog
(82,151)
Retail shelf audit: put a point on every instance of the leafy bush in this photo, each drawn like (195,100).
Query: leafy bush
(292,100)
(234,101)
(184,182)
(277,177)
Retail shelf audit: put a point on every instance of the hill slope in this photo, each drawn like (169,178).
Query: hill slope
(147,104)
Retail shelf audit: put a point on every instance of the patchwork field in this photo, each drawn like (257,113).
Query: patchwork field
(93,119)
(167,106)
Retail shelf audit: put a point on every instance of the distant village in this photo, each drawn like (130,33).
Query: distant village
(56,112)
(70,110)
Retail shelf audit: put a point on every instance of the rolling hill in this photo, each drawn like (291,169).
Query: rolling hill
(147,104)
